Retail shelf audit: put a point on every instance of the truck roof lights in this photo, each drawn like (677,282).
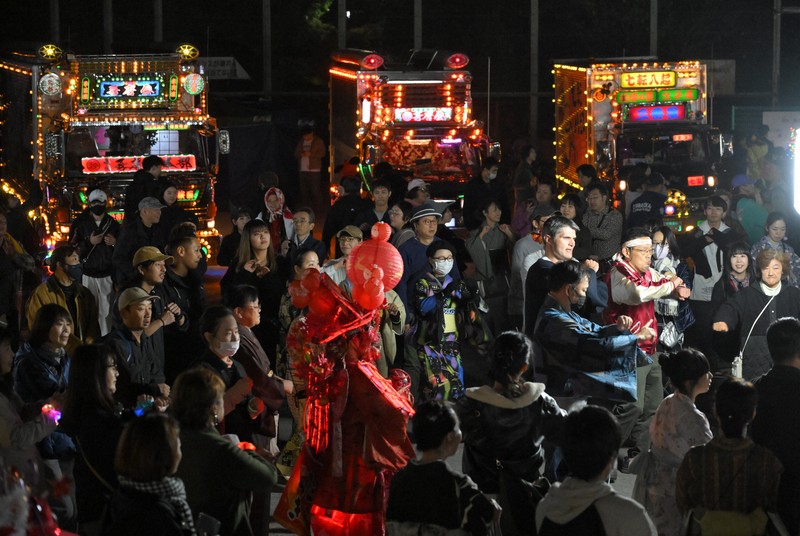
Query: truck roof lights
(50,52)
(371,61)
(188,51)
(456,61)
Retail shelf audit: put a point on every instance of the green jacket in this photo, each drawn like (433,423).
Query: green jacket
(220,479)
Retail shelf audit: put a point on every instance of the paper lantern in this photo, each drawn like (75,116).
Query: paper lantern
(370,255)
(381,231)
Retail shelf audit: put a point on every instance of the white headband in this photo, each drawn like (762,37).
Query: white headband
(643,241)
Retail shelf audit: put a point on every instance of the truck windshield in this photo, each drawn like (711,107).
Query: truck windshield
(431,154)
(661,148)
(117,149)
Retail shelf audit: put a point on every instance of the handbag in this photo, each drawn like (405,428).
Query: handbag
(736,366)
(669,336)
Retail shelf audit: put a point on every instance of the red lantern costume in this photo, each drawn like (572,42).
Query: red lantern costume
(355,420)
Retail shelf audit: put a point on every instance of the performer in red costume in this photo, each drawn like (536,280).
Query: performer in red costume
(355,420)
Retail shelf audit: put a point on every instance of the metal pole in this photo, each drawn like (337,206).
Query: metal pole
(267,44)
(158,21)
(488,95)
(342,18)
(776,50)
(108,26)
(533,120)
(654,28)
(417,24)
(55,35)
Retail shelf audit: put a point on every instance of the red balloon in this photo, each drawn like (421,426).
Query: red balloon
(381,231)
(367,255)
(322,302)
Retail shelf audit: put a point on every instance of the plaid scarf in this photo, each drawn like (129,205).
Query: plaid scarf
(170,489)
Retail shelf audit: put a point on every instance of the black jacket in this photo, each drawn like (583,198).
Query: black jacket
(475,193)
(342,213)
(143,185)
(139,373)
(97,259)
(133,236)
(134,513)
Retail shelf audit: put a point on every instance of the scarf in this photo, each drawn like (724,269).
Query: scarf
(282,210)
(771,291)
(169,488)
(737,284)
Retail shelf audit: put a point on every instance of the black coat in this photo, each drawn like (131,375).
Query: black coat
(143,185)
(97,259)
(134,513)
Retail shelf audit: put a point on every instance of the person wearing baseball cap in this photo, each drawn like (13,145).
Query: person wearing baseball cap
(143,230)
(348,238)
(417,192)
(95,233)
(140,370)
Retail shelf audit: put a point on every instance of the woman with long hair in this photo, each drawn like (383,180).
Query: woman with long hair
(667,259)
(256,265)
(737,274)
(220,478)
(753,309)
(503,424)
(676,427)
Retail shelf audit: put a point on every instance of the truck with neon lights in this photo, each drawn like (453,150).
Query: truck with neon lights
(621,117)
(69,124)
(416,115)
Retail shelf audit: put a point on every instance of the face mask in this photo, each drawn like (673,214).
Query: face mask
(580,301)
(662,251)
(228,349)
(98,210)
(75,271)
(443,267)
(492,176)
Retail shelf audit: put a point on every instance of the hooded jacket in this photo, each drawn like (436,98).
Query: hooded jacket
(621,516)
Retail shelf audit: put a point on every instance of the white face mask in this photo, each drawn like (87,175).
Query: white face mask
(443,267)
(492,176)
(661,251)
(227,349)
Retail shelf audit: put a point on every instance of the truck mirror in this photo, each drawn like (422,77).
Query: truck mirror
(224,142)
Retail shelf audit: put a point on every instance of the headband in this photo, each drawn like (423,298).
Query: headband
(643,241)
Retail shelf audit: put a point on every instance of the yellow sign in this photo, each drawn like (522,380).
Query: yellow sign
(647,79)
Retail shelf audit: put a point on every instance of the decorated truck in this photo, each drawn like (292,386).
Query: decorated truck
(416,115)
(69,124)
(628,117)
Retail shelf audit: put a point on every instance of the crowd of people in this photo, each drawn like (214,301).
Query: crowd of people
(503,319)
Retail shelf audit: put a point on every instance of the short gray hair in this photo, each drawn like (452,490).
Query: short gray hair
(554,225)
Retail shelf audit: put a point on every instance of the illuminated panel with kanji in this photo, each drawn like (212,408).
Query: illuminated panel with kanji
(131,164)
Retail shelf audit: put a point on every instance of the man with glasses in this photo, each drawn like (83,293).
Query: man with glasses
(417,192)
(633,288)
(603,222)
(348,238)
(344,211)
(303,220)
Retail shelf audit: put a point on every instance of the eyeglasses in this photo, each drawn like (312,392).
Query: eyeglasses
(643,251)
(443,259)
(395,212)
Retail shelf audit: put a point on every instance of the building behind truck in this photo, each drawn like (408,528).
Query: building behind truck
(70,124)
(416,115)
(626,118)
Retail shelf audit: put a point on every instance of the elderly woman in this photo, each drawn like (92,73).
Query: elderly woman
(241,410)
(754,308)
(150,499)
(219,477)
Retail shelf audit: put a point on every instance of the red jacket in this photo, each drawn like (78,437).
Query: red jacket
(633,294)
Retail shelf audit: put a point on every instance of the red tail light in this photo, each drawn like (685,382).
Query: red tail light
(371,61)
(457,61)
(696,180)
